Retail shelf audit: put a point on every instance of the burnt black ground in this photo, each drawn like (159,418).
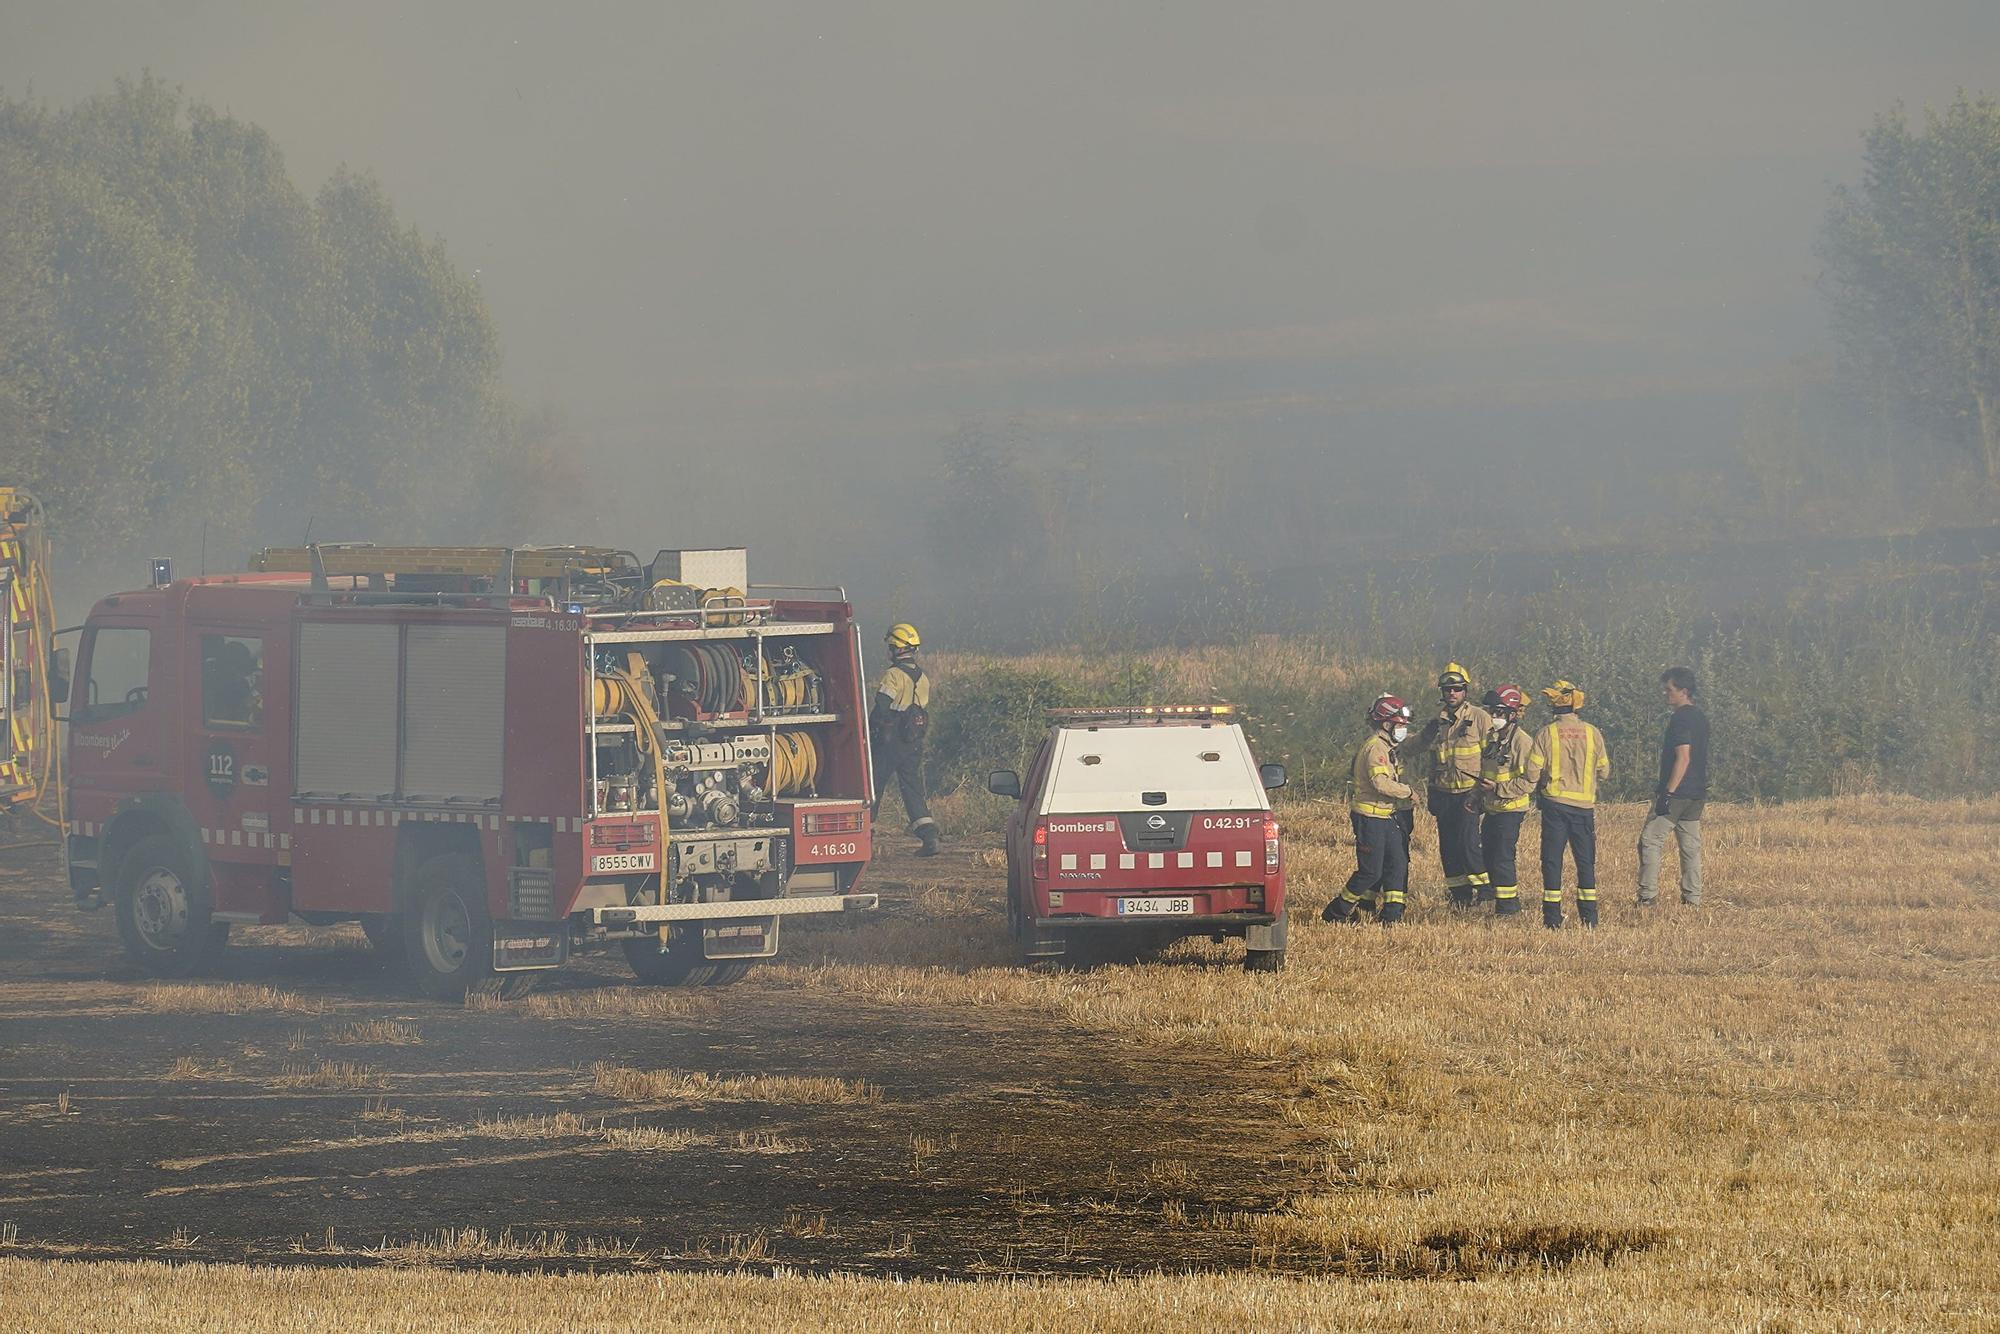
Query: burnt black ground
(1005,1141)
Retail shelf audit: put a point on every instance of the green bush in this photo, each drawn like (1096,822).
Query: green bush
(1886,686)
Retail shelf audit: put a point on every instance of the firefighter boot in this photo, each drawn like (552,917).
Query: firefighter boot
(927,836)
(1343,907)
(1392,907)
(1552,914)
(1506,904)
(1586,912)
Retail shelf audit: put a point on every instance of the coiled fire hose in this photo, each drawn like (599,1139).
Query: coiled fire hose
(794,763)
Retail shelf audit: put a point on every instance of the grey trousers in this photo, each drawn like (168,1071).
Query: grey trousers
(1684,819)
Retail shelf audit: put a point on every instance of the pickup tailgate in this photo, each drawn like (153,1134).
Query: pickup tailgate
(1156,850)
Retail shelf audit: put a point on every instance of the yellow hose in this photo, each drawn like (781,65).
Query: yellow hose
(620,693)
(794,763)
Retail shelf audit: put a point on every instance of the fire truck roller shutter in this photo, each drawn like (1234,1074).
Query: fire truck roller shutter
(455,717)
(346,710)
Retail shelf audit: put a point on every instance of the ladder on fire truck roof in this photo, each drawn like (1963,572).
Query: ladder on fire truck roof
(359,559)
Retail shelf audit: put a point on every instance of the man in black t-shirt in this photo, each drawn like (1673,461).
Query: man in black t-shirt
(1682,791)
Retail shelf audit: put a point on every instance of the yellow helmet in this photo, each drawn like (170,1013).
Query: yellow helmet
(903,635)
(1454,675)
(1564,694)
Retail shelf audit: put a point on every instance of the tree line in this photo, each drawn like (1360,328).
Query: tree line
(191,346)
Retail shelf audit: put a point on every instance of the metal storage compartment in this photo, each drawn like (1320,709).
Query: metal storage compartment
(346,739)
(454,711)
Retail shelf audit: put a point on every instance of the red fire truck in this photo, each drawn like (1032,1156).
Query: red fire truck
(489,758)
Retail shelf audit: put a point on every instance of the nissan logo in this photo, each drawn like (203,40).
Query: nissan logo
(1156,822)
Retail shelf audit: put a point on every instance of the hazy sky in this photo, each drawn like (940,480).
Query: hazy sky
(829,224)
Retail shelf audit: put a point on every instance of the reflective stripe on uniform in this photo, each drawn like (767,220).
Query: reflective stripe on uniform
(1587,792)
(1506,891)
(1379,811)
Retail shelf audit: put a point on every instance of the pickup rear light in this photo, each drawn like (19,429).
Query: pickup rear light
(1270,844)
(1042,850)
(832,822)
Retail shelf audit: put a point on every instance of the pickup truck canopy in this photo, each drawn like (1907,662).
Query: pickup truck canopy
(1198,767)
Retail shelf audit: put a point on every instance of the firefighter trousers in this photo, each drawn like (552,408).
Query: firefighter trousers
(1458,845)
(1499,833)
(906,764)
(1381,865)
(1572,828)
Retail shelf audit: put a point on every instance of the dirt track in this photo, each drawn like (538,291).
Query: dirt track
(1003,1142)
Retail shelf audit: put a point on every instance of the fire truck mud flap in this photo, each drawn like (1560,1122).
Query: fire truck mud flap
(520,946)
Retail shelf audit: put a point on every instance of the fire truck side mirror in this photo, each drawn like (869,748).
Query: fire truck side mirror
(59,676)
(1004,783)
(1273,776)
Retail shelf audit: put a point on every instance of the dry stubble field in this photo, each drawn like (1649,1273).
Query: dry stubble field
(1777,1111)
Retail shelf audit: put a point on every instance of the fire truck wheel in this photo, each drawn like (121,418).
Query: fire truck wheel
(728,971)
(680,966)
(448,934)
(163,909)
(1264,961)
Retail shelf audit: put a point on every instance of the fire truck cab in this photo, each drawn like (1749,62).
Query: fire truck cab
(1136,827)
(488,758)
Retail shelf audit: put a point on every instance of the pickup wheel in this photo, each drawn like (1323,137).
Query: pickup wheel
(679,965)
(163,909)
(448,934)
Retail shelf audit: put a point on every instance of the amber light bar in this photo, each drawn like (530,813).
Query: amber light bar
(1141,713)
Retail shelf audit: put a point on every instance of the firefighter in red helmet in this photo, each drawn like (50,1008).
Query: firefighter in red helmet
(1381,844)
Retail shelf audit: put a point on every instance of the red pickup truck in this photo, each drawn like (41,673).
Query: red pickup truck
(1136,827)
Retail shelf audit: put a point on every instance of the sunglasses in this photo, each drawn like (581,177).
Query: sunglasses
(1456,690)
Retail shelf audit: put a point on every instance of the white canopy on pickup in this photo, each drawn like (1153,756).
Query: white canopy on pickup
(1198,766)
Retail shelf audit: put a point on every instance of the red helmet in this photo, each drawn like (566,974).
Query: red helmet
(1509,698)
(1388,709)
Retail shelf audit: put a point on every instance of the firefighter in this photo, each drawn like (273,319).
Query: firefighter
(898,721)
(1381,797)
(1566,763)
(1454,740)
(1504,794)
(229,685)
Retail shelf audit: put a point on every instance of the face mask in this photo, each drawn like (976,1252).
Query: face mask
(1500,721)
(1398,732)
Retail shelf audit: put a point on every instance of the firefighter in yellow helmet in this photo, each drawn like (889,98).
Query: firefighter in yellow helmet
(898,721)
(1504,794)
(1566,763)
(1452,740)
